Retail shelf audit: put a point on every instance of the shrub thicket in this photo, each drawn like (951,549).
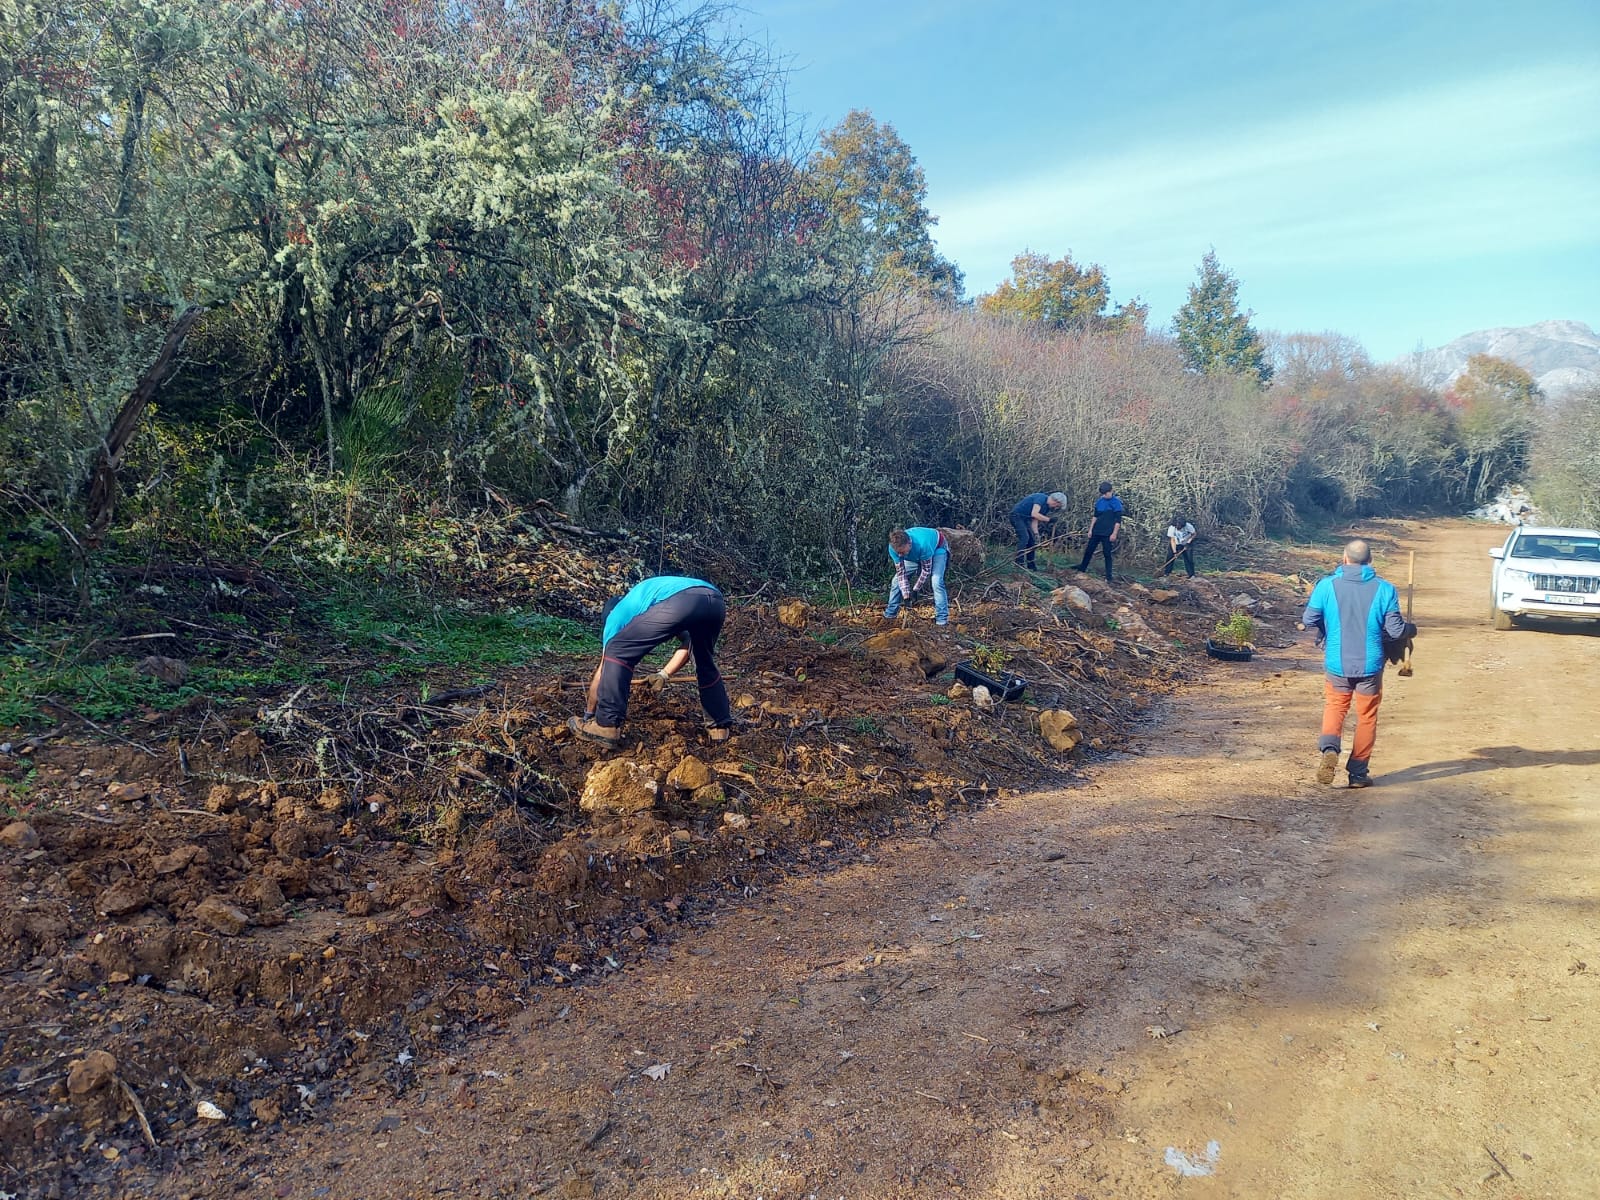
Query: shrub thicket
(457,254)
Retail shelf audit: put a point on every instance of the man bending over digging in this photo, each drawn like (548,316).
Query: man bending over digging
(654,611)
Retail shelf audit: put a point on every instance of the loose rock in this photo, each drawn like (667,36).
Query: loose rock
(218,914)
(124,896)
(1060,728)
(175,860)
(90,1073)
(168,670)
(618,785)
(907,649)
(1074,598)
(19,835)
(792,613)
(690,775)
(710,796)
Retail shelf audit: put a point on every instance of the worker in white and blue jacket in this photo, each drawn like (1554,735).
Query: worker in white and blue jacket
(926,550)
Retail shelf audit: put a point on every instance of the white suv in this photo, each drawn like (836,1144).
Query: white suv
(1545,572)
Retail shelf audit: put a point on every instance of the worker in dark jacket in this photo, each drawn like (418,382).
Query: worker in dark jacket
(1029,516)
(1104,529)
(1353,612)
(654,611)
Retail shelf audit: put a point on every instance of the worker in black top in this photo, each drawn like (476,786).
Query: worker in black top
(1103,531)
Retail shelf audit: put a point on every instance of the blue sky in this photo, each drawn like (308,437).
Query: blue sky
(1400,172)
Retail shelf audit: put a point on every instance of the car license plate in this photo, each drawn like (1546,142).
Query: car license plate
(1553,598)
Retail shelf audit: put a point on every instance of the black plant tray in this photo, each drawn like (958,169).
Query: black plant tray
(1228,653)
(1009,688)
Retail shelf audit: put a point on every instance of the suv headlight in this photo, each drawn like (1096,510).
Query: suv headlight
(1511,575)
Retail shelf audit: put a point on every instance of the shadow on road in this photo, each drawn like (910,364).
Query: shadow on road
(1493,758)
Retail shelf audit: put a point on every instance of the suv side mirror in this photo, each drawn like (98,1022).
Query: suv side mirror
(1498,552)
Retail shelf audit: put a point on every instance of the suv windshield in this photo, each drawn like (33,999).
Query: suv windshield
(1572,549)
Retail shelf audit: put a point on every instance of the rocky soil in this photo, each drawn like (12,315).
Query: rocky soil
(219,921)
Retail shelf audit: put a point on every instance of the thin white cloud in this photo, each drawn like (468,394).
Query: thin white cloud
(1504,163)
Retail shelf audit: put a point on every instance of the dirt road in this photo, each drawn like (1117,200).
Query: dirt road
(1197,973)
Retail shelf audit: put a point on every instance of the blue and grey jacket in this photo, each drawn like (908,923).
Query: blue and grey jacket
(1354,611)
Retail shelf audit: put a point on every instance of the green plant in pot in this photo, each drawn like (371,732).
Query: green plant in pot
(990,660)
(1237,631)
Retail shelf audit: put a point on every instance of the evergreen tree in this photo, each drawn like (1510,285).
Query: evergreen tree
(1214,335)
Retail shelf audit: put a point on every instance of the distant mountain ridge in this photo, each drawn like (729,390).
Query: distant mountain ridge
(1562,356)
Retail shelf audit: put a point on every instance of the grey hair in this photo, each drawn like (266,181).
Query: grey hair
(1060,498)
(1358,553)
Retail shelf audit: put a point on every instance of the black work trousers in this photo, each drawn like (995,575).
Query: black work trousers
(1105,544)
(695,615)
(1186,553)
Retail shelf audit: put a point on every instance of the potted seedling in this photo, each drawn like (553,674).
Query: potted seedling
(1231,640)
(987,668)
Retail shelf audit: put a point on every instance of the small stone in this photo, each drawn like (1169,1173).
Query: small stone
(1164,595)
(958,691)
(221,798)
(168,670)
(792,613)
(91,1073)
(266,1110)
(208,1111)
(222,916)
(19,835)
(332,799)
(175,860)
(1244,601)
(735,820)
(124,896)
(690,775)
(710,796)
(745,700)
(981,698)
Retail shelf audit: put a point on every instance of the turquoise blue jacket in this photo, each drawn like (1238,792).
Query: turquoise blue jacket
(1353,609)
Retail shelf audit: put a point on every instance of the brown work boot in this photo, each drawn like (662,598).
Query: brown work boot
(609,736)
(1328,766)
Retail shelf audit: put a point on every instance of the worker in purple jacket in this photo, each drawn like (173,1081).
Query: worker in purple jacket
(926,550)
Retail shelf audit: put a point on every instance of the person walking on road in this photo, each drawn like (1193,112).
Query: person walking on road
(1180,540)
(926,550)
(1029,516)
(654,611)
(1104,529)
(1352,612)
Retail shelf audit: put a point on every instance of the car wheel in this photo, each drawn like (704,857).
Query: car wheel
(1501,620)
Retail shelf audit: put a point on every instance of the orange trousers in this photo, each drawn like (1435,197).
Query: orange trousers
(1336,706)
